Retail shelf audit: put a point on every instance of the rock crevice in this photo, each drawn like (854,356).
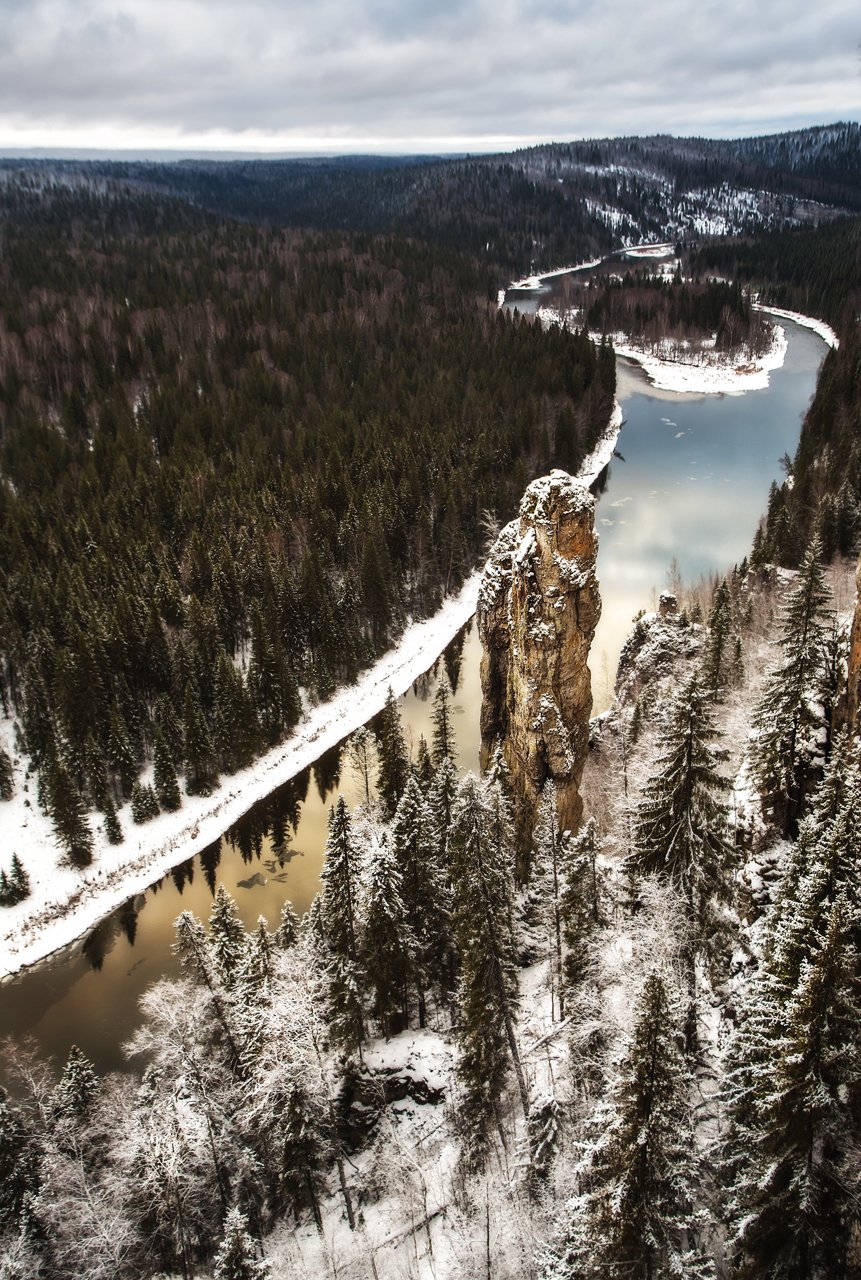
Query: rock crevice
(538,608)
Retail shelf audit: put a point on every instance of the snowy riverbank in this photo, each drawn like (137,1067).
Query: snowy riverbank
(676,367)
(64,904)
(535,282)
(824,330)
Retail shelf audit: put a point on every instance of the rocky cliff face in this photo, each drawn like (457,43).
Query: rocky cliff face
(537,612)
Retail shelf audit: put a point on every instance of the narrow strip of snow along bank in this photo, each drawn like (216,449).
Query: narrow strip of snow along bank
(65,904)
(534,282)
(824,330)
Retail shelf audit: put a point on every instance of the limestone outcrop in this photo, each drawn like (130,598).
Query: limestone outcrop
(538,608)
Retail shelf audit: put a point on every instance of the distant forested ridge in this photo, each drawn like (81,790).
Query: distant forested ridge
(534,209)
(221,443)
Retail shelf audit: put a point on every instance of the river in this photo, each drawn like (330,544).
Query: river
(690,481)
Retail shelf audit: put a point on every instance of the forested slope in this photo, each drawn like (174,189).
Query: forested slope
(234,461)
(537,208)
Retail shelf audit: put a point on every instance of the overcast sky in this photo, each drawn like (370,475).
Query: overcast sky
(417,75)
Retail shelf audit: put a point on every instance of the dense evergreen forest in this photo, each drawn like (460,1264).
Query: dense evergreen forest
(639,1061)
(815,271)
(234,462)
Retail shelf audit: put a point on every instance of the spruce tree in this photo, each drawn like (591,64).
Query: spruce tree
(201,772)
(166,784)
(78,1088)
(422,769)
(167,723)
(121,757)
(717,653)
(424,892)
(793,1106)
(227,940)
(19,1172)
(67,811)
(786,717)
(546,881)
(238,1257)
(441,801)
(388,945)
(7,782)
(635,1216)
(681,822)
(681,831)
(340,877)
(19,881)
(442,741)
(482,865)
(113,830)
(287,933)
(394,764)
(794,1184)
(580,904)
(144,803)
(544,1125)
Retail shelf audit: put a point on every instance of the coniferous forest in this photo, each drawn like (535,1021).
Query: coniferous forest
(237,458)
(220,441)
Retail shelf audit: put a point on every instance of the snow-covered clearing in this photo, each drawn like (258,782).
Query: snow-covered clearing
(64,903)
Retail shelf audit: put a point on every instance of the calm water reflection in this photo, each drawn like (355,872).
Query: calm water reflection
(273,854)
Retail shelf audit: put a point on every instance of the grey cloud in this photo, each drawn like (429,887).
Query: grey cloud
(409,70)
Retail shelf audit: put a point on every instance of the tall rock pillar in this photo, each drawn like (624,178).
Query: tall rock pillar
(537,612)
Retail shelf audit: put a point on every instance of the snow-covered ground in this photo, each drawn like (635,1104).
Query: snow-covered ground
(64,903)
(650,250)
(678,368)
(706,372)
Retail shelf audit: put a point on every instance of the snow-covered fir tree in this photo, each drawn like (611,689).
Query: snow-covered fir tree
(482,862)
(393,761)
(341,880)
(424,892)
(793,1086)
(790,718)
(388,943)
(636,1215)
(239,1256)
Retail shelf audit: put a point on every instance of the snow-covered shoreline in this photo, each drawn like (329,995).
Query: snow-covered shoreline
(65,904)
(534,282)
(721,375)
(702,373)
(826,333)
